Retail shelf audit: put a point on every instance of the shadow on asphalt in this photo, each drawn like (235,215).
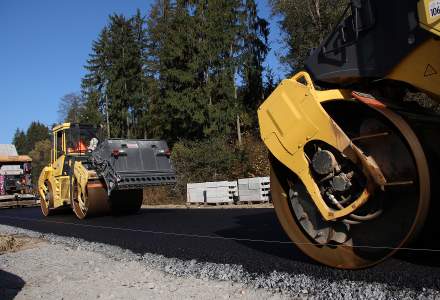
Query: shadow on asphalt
(264,226)
(10,285)
(427,240)
(417,274)
(144,233)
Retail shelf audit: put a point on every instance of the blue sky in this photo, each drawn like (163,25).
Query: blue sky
(44,46)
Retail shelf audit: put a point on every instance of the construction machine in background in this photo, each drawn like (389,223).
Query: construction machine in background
(15,178)
(97,177)
(354,160)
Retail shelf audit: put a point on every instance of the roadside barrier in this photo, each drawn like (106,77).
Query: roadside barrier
(214,192)
(244,190)
(254,189)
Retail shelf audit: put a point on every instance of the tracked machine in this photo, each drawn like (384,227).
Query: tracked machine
(97,177)
(354,161)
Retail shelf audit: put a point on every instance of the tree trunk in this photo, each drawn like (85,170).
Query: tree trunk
(106,116)
(238,131)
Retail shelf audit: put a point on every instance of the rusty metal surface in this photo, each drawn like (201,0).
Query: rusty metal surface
(94,202)
(19,158)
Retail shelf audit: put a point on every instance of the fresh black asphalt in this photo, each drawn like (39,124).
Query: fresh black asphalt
(252,238)
(228,227)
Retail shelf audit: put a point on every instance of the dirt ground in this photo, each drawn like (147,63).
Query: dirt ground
(13,243)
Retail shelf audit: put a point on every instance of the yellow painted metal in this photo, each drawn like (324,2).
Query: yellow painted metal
(82,176)
(293,116)
(45,174)
(55,131)
(55,173)
(61,127)
(55,179)
(429,15)
(421,68)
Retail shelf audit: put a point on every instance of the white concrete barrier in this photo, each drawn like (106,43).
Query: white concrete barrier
(211,192)
(254,189)
(195,192)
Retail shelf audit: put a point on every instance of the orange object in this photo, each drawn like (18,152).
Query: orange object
(80,147)
(368,99)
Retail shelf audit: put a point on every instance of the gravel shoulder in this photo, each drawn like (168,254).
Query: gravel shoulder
(40,268)
(56,267)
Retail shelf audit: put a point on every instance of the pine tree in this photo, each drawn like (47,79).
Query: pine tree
(195,51)
(116,77)
(174,74)
(19,141)
(220,28)
(95,82)
(140,108)
(176,111)
(255,49)
(91,114)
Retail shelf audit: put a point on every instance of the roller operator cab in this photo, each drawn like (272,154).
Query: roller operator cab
(353,163)
(96,176)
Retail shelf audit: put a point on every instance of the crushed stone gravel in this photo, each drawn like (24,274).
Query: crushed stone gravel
(233,281)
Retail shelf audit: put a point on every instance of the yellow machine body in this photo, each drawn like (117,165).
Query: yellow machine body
(53,173)
(94,177)
(421,68)
(429,15)
(293,116)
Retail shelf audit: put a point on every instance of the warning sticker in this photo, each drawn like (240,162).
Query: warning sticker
(429,71)
(434,8)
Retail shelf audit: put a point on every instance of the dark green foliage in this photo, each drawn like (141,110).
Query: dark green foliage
(40,158)
(19,141)
(35,133)
(197,49)
(195,161)
(35,143)
(116,83)
(90,113)
(217,159)
(174,74)
(254,51)
(192,56)
(305,24)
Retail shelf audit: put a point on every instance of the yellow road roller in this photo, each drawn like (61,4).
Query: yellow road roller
(353,137)
(94,176)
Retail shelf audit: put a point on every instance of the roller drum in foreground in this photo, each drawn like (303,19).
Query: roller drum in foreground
(350,171)
(94,177)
